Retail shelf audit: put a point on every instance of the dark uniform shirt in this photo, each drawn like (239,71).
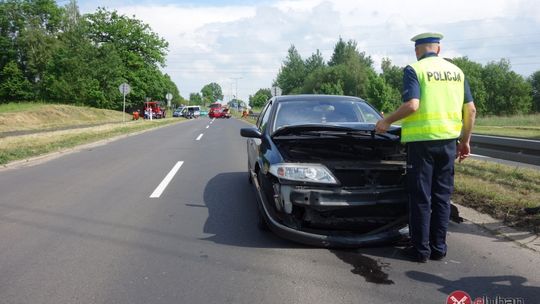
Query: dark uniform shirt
(411,85)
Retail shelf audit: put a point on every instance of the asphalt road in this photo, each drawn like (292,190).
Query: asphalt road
(83,228)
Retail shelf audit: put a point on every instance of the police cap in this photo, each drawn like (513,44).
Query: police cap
(427,38)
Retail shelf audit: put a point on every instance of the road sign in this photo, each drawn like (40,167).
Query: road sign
(276,91)
(124,88)
(169,98)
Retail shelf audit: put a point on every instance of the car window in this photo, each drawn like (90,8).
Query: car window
(263,117)
(337,111)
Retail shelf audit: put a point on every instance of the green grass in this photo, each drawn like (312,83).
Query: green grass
(519,132)
(531,120)
(29,117)
(521,126)
(20,107)
(499,190)
(22,147)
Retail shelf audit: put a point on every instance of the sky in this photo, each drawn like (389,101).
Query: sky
(241,44)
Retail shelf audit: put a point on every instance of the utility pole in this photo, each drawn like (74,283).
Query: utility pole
(236,87)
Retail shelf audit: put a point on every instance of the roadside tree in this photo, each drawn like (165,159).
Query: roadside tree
(473,73)
(507,92)
(195,99)
(534,80)
(292,74)
(211,93)
(260,98)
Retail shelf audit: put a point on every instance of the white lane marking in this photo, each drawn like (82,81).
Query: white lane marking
(207,127)
(165,182)
(199,137)
(212,120)
(481,156)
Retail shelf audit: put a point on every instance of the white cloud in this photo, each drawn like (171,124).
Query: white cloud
(217,43)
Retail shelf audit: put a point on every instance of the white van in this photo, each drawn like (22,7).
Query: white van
(191,112)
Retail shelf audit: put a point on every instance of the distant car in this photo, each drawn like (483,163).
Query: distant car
(321,174)
(190,112)
(178,112)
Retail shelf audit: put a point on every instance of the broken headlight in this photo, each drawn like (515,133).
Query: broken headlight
(311,173)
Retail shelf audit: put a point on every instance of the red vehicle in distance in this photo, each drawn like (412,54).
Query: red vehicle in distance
(214,109)
(217,110)
(153,108)
(222,113)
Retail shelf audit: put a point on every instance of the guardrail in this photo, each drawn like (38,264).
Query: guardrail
(507,148)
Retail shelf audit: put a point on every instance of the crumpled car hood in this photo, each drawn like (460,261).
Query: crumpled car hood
(368,128)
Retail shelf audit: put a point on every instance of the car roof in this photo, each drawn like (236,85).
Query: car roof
(318,97)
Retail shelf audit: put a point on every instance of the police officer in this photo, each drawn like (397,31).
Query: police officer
(437,110)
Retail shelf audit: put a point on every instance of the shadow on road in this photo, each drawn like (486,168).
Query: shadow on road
(232,220)
(232,214)
(506,286)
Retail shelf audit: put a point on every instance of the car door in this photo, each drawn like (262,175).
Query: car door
(254,144)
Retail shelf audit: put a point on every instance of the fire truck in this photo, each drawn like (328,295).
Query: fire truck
(153,108)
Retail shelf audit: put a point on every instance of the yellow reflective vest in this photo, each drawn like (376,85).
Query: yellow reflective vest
(439,115)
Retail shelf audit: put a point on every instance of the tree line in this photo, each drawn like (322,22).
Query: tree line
(55,54)
(497,90)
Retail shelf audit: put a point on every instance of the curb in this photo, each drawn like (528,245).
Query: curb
(497,227)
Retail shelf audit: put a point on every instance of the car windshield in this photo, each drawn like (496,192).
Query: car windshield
(339,111)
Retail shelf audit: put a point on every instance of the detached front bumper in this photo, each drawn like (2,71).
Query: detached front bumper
(333,241)
(392,230)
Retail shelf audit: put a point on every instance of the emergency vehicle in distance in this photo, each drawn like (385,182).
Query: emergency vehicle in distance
(217,110)
(153,108)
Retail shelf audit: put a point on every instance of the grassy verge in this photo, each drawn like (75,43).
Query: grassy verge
(37,116)
(25,146)
(523,126)
(14,107)
(515,120)
(519,132)
(499,190)
(238,115)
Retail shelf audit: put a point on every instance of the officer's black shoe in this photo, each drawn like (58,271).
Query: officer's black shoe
(436,256)
(413,255)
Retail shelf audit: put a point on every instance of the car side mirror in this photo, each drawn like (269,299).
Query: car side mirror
(250,132)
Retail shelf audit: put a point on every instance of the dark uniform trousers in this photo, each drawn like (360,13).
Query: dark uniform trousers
(430,177)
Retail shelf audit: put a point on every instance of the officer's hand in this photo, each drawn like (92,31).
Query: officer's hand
(381,126)
(463,150)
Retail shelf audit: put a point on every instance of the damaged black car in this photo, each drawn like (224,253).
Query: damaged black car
(321,174)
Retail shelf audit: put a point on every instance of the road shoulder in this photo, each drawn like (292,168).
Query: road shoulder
(497,227)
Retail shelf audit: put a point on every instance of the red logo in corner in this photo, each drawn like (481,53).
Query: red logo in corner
(459,297)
